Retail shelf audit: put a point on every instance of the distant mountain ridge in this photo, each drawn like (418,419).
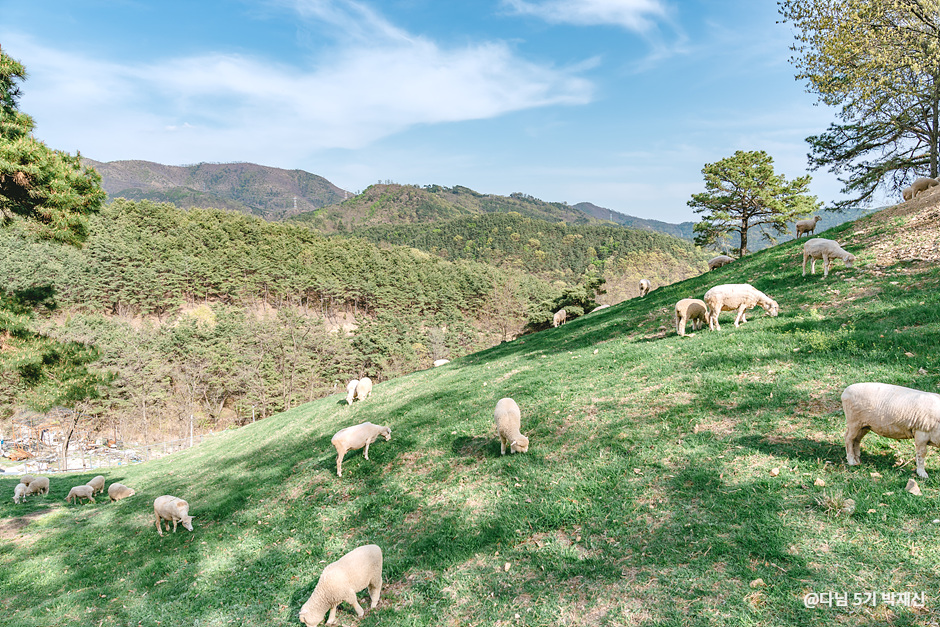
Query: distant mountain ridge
(682,230)
(262,191)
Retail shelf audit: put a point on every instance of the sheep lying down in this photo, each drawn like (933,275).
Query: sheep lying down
(891,411)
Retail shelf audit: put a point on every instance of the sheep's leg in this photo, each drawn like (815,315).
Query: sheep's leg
(339,463)
(804,264)
(159,529)
(332,617)
(853,443)
(174,525)
(826,264)
(921,440)
(813,266)
(375,591)
(502,446)
(367,450)
(352,600)
(741,310)
(680,325)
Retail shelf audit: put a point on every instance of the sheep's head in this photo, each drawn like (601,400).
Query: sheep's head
(387,433)
(849,260)
(310,616)
(187,521)
(771,307)
(519,445)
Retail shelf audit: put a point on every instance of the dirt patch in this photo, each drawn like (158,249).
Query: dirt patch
(10,528)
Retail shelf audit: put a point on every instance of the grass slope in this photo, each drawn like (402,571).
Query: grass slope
(646,497)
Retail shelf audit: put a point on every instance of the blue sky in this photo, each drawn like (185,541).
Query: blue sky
(616,102)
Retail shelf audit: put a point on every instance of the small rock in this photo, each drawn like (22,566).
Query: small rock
(596,351)
(848,507)
(819,483)
(758,583)
(936,521)
(872,511)
(912,487)
(506,567)
(908,354)
(774,472)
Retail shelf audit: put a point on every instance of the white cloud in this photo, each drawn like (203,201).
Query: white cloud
(635,15)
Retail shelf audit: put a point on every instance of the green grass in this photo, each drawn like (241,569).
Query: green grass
(646,496)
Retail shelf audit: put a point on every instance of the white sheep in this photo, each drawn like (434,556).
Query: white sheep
(341,581)
(363,388)
(921,185)
(351,391)
(891,411)
(355,437)
(508,420)
(441,362)
(645,286)
(827,250)
(27,479)
(559,317)
(97,484)
(19,492)
(39,485)
(118,491)
(80,492)
(806,226)
(691,310)
(736,296)
(720,260)
(171,508)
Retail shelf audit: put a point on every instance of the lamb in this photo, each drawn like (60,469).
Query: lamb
(440,362)
(39,485)
(736,296)
(352,438)
(19,492)
(644,287)
(341,581)
(27,479)
(720,260)
(921,185)
(80,492)
(559,317)
(97,483)
(827,250)
(508,421)
(170,508)
(118,491)
(692,310)
(363,388)
(891,411)
(351,391)
(806,226)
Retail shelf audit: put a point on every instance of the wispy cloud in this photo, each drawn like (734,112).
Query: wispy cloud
(636,15)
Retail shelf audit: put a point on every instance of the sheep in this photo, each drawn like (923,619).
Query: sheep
(352,438)
(440,362)
(921,185)
(692,310)
(80,492)
(559,317)
(508,421)
(806,226)
(19,492)
(170,508)
(27,479)
(341,581)
(891,411)
(644,287)
(363,388)
(720,260)
(118,491)
(97,483)
(39,485)
(827,250)
(351,391)
(736,296)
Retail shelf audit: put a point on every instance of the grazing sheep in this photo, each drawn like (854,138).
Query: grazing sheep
(352,438)
(341,581)
(170,508)
(351,391)
(39,485)
(27,479)
(827,250)
(891,411)
(80,492)
(921,185)
(363,388)
(118,491)
(806,226)
(644,287)
(508,422)
(19,492)
(440,362)
(736,296)
(690,310)
(559,317)
(720,260)
(97,483)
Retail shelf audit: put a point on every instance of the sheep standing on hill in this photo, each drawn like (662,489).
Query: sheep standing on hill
(172,509)
(351,391)
(97,484)
(508,422)
(720,260)
(80,492)
(39,485)
(806,226)
(736,296)
(19,492)
(891,411)
(690,310)
(827,250)
(921,185)
(363,388)
(118,491)
(352,438)
(341,581)
(645,286)
(559,317)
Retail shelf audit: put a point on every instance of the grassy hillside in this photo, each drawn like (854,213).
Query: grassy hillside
(646,497)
